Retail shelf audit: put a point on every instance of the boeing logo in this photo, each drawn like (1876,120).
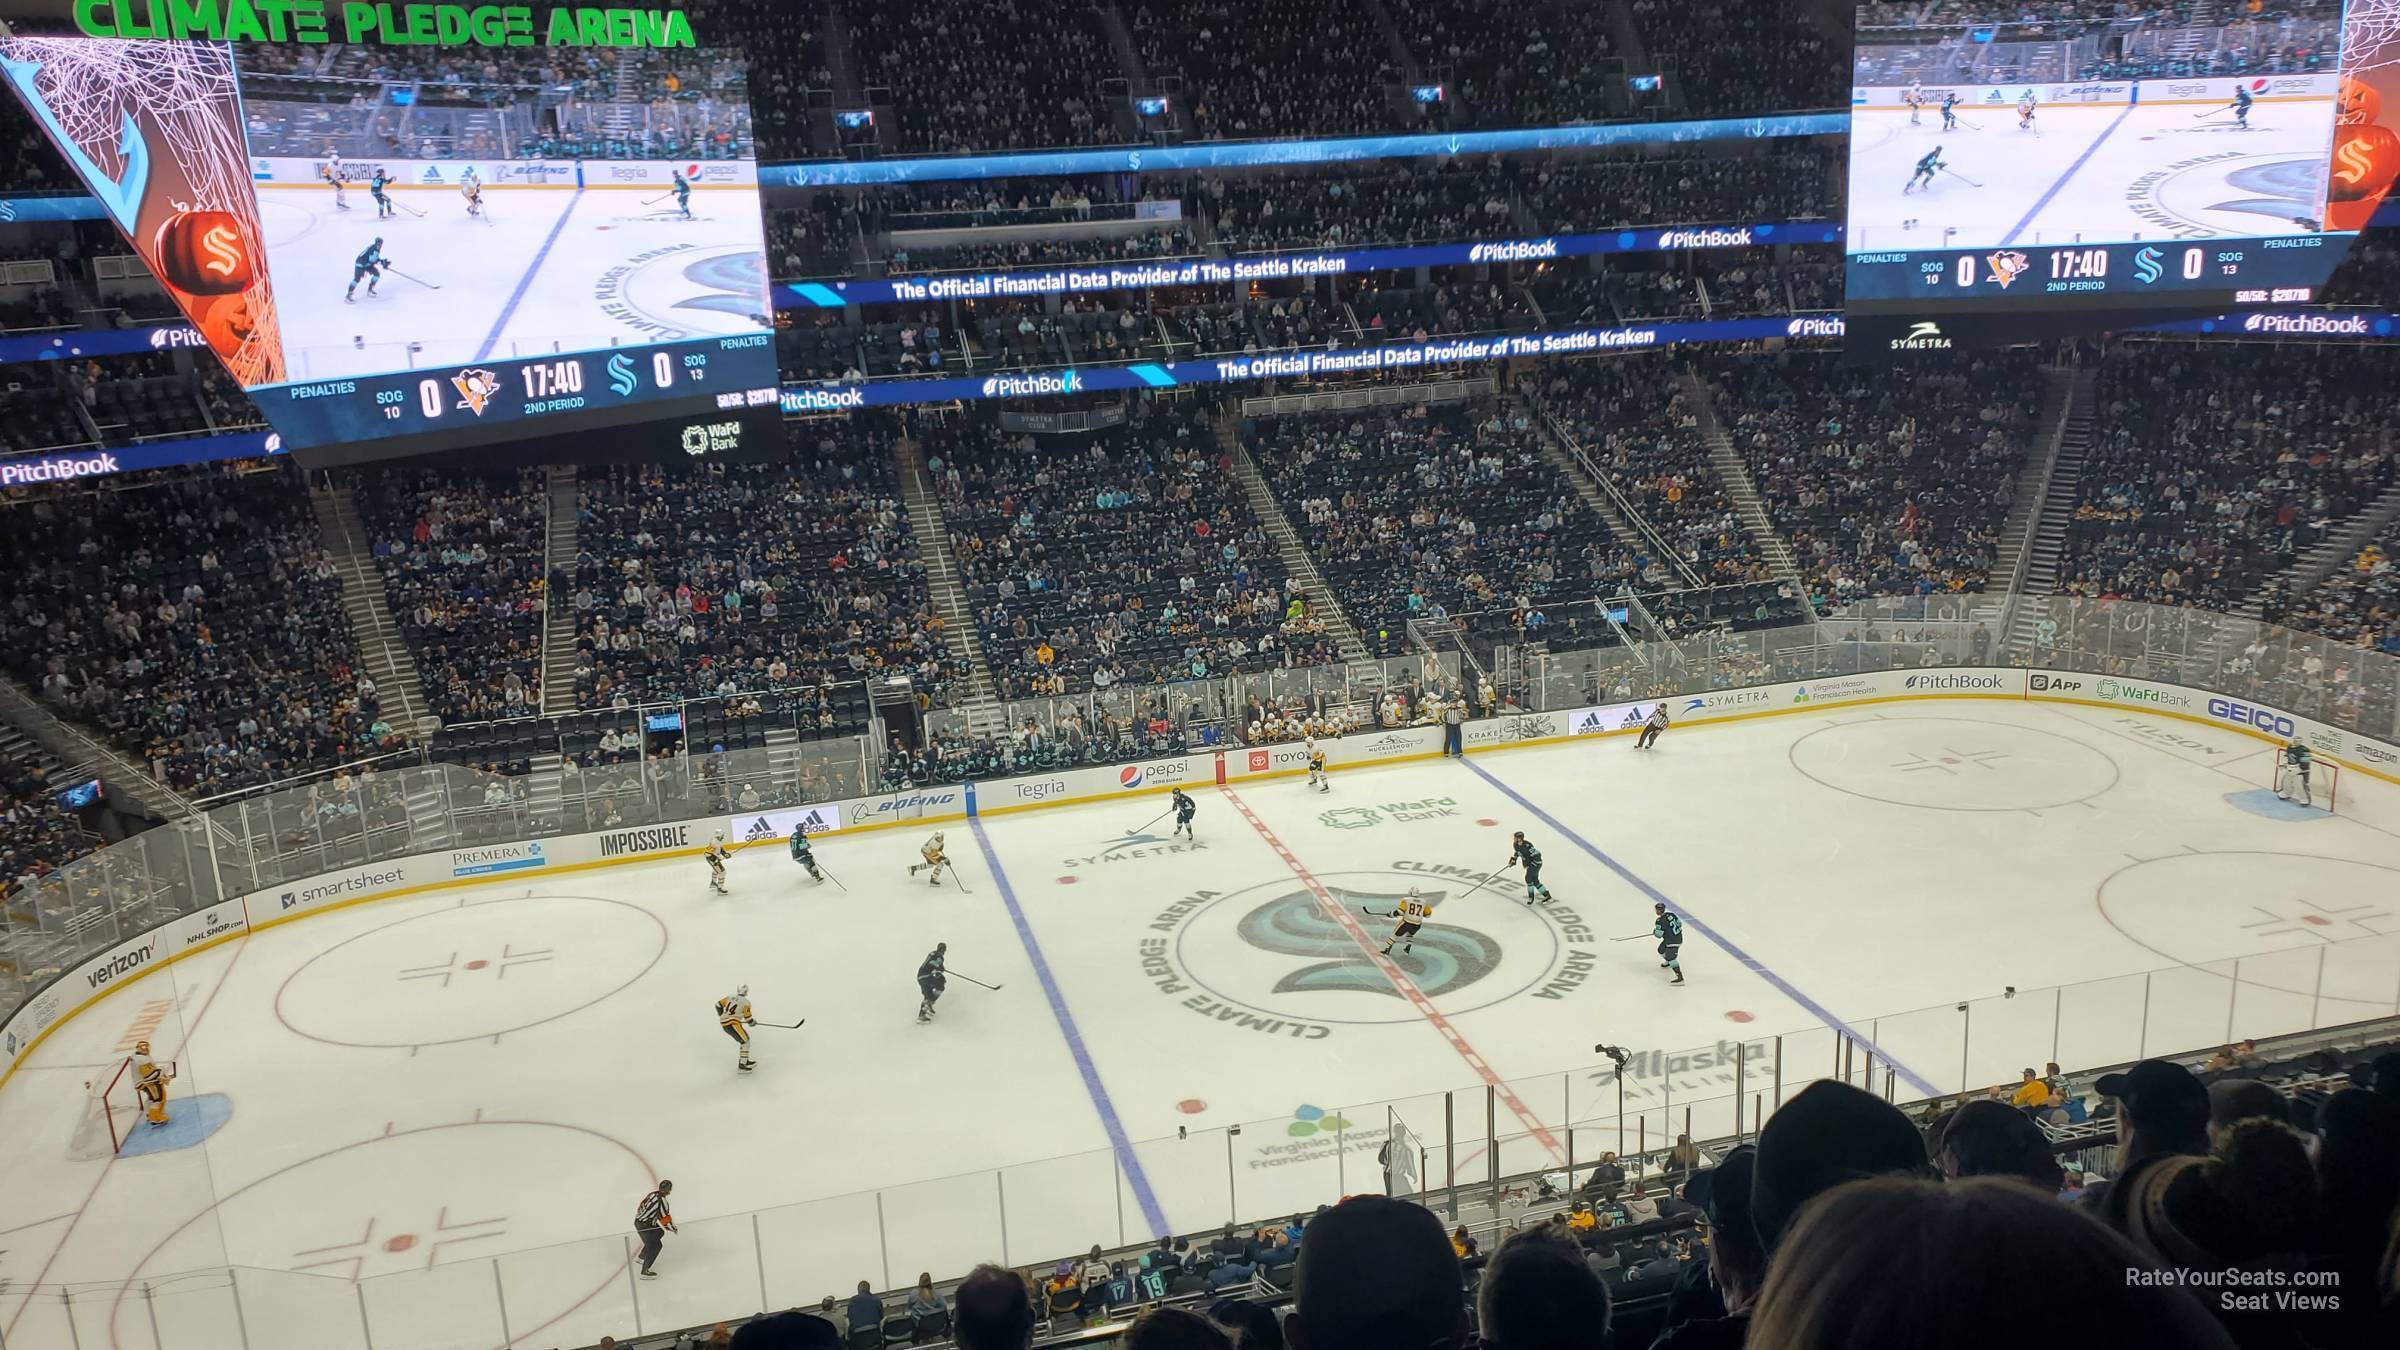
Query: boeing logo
(1708,238)
(2347,325)
(1020,386)
(1516,252)
(1818,327)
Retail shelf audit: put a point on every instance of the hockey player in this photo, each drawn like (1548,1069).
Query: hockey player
(1950,110)
(1915,99)
(2292,775)
(802,853)
(935,860)
(1316,764)
(932,979)
(735,1016)
(150,1079)
(471,188)
(2241,107)
(1926,168)
(2025,107)
(683,193)
(717,855)
(368,267)
(1185,809)
(1669,931)
(1412,914)
(376,188)
(335,174)
(1522,851)
(1654,724)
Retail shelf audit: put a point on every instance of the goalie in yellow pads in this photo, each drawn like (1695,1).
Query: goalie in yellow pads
(150,1079)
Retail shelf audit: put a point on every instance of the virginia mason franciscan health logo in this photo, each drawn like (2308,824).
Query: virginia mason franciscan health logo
(1278,959)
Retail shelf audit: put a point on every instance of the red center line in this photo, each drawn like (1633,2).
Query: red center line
(1406,987)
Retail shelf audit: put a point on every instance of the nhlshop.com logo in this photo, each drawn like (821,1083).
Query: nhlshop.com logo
(1521,251)
(123,962)
(1704,238)
(1830,327)
(1023,386)
(1991,682)
(2314,325)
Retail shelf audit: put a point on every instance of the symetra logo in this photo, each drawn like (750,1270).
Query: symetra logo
(131,959)
(1022,386)
(2242,714)
(1708,238)
(1517,252)
(1953,682)
(826,400)
(2327,325)
(1925,335)
(1831,326)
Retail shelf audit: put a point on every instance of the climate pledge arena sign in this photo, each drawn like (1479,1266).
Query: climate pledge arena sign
(385,24)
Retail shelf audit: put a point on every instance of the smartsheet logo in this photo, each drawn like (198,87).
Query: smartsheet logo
(1924,335)
(1020,386)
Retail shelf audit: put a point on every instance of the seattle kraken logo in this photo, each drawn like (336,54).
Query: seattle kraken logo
(1446,957)
(2283,190)
(732,282)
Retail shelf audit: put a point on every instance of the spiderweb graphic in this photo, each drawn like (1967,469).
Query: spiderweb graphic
(182,97)
(2371,35)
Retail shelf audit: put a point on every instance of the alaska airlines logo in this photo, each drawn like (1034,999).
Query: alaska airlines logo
(1446,956)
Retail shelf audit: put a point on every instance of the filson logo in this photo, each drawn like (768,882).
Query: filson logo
(618,843)
(1924,335)
(2151,731)
(1278,960)
(2055,684)
(123,963)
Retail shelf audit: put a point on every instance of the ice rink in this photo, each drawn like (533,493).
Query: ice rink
(545,269)
(433,1116)
(2089,173)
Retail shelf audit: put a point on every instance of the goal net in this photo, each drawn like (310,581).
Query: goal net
(1403,1159)
(2324,783)
(110,1110)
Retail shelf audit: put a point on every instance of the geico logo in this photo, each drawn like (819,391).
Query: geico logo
(2245,715)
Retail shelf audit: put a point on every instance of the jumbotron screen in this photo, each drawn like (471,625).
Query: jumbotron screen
(2035,169)
(397,253)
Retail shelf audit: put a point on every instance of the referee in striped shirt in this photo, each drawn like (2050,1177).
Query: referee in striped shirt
(653,1222)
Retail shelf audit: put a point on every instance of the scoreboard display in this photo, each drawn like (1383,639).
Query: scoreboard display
(2062,172)
(485,265)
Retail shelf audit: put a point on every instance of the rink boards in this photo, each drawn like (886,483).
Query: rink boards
(651,174)
(2103,93)
(128,962)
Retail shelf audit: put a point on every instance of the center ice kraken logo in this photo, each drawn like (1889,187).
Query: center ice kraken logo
(2230,191)
(1446,957)
(679,291)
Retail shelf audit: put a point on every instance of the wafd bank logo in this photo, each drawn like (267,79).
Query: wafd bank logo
(1285,961)
(1021,386)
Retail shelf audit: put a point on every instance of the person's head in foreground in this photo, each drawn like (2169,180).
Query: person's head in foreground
(1376,1274)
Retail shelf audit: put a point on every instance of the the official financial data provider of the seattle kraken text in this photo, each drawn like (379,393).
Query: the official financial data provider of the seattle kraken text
(401,250)
(2024,170)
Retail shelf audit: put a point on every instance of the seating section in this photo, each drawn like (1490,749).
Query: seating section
(2359,603)
(1257,67)
(1517,63)
(1352,210)
(999,75)
(704,579)
(1433,513)
(2213,465)
(197,621)
(461,558)
(1732,58)
(1582,195)
(1129,557)
(1883,486)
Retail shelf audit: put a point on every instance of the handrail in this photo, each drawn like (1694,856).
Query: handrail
(1641,523)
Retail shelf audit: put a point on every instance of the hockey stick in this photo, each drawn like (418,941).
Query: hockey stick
(410,209)
(827,873)
(406,277)
(1155,819)
(783,1026)
(2213,112)
(657,199)
(1960,176)
(973,981)
(962,882)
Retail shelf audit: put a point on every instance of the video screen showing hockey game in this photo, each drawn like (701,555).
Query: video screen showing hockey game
(2059,124)
(455,245)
